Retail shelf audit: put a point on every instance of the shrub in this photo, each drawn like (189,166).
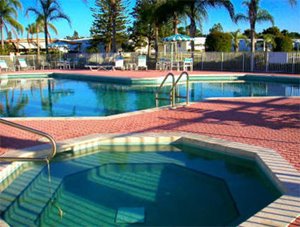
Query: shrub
(218,41)
(283,43)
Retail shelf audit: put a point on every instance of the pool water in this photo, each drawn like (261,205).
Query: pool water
(64,97)
(149,186)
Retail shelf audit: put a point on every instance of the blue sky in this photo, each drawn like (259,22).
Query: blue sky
(285,16)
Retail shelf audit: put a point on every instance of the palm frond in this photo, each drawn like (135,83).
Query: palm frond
(17,4)
(53,28)
(33,10)
(60,16)
(240,17)
(15,24)
(263,15)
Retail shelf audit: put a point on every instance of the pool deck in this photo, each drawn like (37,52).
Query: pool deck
(270,122)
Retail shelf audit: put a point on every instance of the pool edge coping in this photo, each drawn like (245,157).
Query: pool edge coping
(280,171)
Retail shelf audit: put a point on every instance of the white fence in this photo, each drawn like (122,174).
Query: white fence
(280,62)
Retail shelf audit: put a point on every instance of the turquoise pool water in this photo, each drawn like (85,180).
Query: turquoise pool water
(145,186)
(64,97)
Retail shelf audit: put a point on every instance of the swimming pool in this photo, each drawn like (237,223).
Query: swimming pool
(169,185)
(60,97)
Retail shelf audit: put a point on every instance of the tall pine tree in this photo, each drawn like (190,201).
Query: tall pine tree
(109,24)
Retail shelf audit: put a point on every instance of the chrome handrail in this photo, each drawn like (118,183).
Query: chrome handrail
(187,86)
(34,131)
(172,90)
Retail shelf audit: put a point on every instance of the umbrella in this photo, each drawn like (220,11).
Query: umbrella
(176,38)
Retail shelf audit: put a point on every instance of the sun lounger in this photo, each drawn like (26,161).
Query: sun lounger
(4,66)
(99,67)
(22,64)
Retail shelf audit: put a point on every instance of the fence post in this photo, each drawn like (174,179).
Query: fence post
(293,63)
(243,62)
(267,61)
(252,62)
(222,58)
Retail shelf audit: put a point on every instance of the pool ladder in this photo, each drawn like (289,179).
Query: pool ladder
(34,131)
(172,92)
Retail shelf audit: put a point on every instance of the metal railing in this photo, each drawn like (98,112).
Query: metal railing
(186,97)
(34,131)
(285,62)
(172,91)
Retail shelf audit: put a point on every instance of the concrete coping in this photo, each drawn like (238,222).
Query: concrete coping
(281,212)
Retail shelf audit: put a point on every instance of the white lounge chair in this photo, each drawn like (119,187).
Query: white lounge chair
(142,62)
(187,63)
(99,67)
(119,63)
(22,64)
(4,66)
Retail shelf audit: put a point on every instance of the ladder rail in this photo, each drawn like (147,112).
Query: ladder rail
(34,131)
(172,90)
(187,86)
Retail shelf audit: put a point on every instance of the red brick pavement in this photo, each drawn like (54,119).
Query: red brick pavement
(267,122)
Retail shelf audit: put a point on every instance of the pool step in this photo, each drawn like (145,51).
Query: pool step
(32,194)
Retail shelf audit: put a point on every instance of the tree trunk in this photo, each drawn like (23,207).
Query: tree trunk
(236,45)
(175,22)
(113,6)
(28,41)
(252,36)
(149,47)
(38,42)
(156,43)
(46,37)
(2,35)
(192,29)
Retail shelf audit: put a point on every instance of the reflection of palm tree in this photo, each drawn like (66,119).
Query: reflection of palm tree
(114,100)
(11,110)
(46,102)
(53,97)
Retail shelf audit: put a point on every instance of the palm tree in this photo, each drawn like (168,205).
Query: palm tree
(255,14)
(171,10)
(8,15)
(197,10)
(49,11)
(36,28)
(150,19)
(236,36)
(31,30)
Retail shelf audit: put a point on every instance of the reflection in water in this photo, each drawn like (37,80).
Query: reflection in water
(62,97)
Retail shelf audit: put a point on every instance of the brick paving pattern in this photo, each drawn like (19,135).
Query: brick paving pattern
(267,122)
